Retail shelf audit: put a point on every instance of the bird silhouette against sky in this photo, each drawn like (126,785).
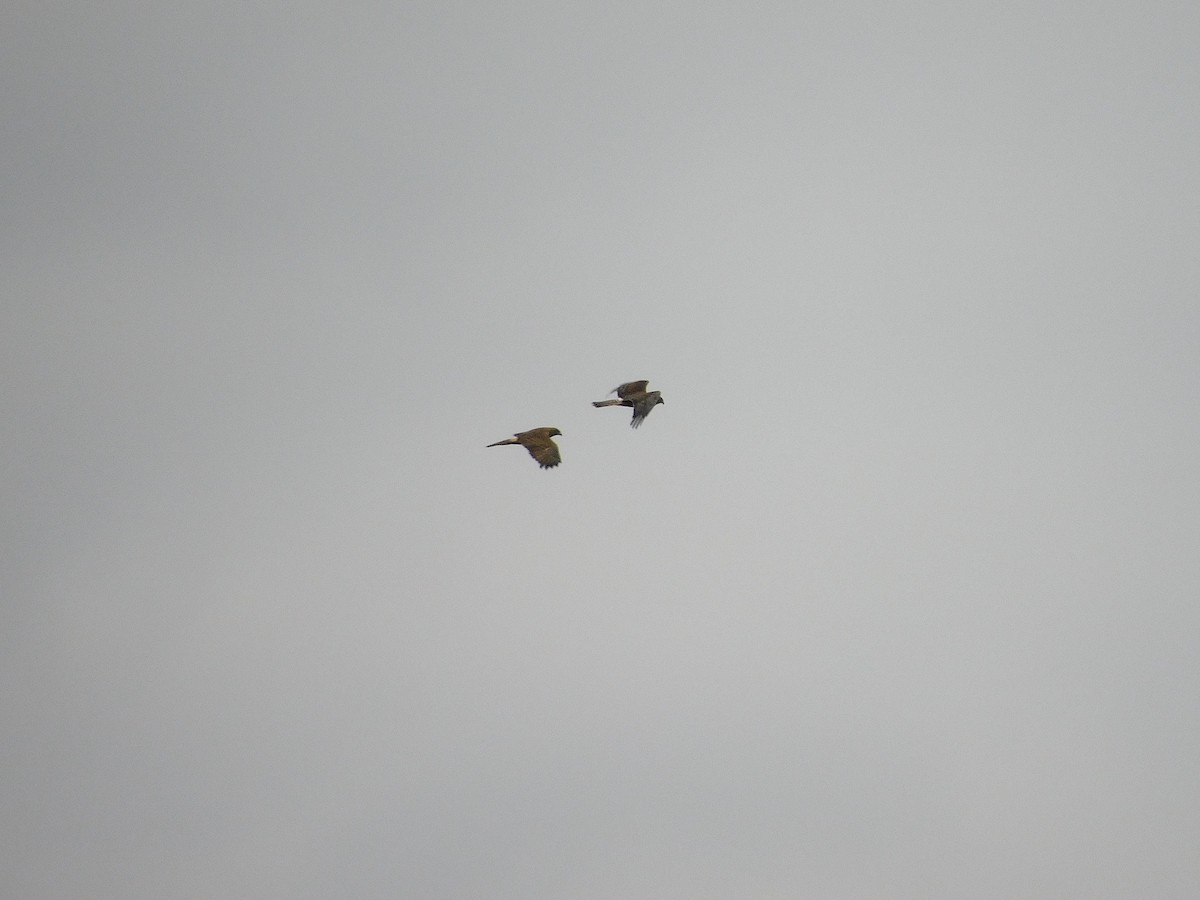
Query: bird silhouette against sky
(537,442)
(635,395)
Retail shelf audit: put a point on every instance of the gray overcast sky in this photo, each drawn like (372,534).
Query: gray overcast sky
(897,596)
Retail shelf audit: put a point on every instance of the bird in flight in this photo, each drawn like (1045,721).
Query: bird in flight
(634,394)
(537,442)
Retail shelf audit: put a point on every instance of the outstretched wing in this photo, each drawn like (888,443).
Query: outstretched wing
(643,406)
(544,451)
(540,446)
(630,390)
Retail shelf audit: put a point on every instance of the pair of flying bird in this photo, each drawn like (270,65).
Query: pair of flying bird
(545,452)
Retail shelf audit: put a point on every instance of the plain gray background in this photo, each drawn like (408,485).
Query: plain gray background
(895,597)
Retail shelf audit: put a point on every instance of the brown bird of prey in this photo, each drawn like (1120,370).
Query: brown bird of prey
(538,443)
(634,393)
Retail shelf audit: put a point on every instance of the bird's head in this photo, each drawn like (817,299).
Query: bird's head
(555,431)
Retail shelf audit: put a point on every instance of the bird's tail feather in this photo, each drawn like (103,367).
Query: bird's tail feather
(502,443)
(606,403)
